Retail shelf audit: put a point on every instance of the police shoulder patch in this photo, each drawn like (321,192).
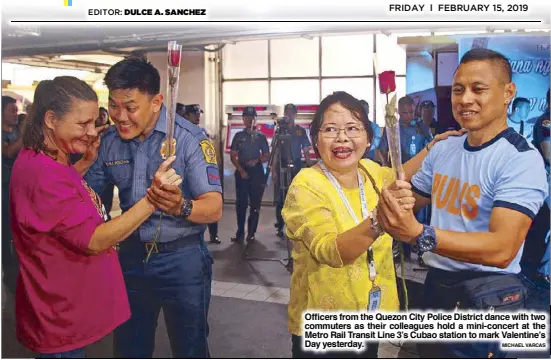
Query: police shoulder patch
(208,152)
(546,124)
(213,175)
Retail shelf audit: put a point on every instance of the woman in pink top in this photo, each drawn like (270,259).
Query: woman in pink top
(70,291)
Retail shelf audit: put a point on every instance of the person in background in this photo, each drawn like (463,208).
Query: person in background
(11,145)
(249,149)
(180,109)
(535,259)
(497,180)
(70,291)
(169,268)
(373,152)
(518,119)
(300,146)
(330,214)
(103,118)
(414,137)
(192,113)
(427,116)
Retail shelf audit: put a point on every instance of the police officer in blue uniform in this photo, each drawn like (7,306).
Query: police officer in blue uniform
(535,258)
(300,144)
(249,149)
(192,113)
(165,262)
(372,152)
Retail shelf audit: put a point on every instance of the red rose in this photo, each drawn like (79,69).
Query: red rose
(174,58)
(387,82)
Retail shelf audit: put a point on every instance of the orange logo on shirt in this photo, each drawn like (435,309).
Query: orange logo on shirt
(455,197)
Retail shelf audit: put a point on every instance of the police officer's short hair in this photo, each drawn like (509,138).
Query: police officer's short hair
(179,108)
(406,100)
(347,101)
(480,54)
(548,98)
(134,73)
(518,101)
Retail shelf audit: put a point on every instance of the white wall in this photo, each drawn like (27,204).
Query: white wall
(192,75)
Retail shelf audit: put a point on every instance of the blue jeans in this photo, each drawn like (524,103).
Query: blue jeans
(179,282)
(71,354)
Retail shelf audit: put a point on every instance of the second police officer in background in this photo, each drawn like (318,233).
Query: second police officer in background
(249,149)
(299,144)
(192,113)
(373,152)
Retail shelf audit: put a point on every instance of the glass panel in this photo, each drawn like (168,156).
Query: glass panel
(350,55)
(360,88)
(295,91)
(381,98)
(390,56)
(245,60)
(294,57)
(244,93)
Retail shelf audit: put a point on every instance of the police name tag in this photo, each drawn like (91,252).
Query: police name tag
(374,299)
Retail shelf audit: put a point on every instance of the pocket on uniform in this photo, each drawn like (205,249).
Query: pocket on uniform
(122,176)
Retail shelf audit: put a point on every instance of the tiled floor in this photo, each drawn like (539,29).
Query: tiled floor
(250,292)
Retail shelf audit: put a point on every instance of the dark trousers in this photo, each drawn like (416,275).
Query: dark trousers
(280,199)
(370,352)
(71,354)
(10,266)
(179,282)
(442,291)
(107,198)
(213,230)
(249,194)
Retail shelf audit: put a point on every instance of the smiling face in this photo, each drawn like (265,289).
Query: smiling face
(480,95)
(134,113)
(339,150)
(73,133)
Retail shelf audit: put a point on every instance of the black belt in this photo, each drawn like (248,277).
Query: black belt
(173,245)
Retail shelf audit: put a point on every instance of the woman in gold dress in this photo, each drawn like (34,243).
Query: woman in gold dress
(342,259)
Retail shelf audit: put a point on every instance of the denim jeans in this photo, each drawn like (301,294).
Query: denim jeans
(71,354)
(179,282)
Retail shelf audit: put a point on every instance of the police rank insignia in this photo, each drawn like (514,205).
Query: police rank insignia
(208,152)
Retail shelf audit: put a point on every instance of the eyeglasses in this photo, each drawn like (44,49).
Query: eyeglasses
(352,131)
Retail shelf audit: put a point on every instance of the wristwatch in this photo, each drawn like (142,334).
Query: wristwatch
(186,208)
(427,240)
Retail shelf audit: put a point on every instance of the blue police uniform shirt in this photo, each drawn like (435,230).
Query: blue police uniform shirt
(299,140)
(467,182)
(409,135)
(370,154)
(249,145)
(131,165)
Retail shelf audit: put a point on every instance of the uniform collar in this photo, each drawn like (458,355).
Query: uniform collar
(161,121)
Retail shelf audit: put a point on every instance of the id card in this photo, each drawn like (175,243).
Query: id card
(374,299)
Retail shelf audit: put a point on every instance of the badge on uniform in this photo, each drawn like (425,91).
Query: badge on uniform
(208,152)
(374,299)
(546,124)
(213,175)
(299,131)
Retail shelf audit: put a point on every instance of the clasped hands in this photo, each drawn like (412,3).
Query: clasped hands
(395,212)
(165,193)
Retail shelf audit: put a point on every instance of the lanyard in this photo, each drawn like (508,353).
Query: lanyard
(365,211)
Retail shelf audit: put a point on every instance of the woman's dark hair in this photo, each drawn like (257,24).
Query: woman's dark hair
(57,95)
(347,101)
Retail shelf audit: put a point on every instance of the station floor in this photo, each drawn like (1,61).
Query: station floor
(248,312)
